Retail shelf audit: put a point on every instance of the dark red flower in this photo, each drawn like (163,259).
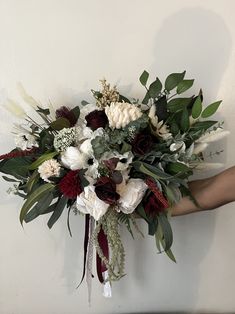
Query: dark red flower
(111,163)
(65,112)
(96,119)
(70,185)
(105,189)
(153,206)
(142,144)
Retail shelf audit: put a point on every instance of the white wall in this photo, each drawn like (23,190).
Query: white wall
(59,50)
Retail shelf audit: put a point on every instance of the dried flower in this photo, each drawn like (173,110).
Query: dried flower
(109,95)
(49,168)
(120,114)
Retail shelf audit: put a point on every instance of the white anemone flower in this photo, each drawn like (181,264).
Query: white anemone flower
(89,203)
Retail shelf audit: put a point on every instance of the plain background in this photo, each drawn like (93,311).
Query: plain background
(59,50)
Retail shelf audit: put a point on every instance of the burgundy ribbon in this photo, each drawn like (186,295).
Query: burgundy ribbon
(103,243)
(86,239)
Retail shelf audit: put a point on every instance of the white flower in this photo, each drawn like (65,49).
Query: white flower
(213,136)
(178,145)
(162,130)
(120,114)
(86,148)
(132,195)
(64,138)
(73,158)
(25,141)
(49,168)
(89,203)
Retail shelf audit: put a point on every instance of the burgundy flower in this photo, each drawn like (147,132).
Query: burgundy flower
(70,185)
(65,112)
(142,144)
(105,190)
(96,119)
(111,163)
(153,206)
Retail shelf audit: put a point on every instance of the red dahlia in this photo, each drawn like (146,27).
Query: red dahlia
(70,185)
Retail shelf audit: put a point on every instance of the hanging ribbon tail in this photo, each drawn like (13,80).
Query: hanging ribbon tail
(89,275)
(158,194)
(86,239)
(103,243)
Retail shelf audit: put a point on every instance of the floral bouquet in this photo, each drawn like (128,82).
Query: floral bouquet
(111,162)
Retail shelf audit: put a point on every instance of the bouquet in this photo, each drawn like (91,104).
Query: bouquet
(111,162)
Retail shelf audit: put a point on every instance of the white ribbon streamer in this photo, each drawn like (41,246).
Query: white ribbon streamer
(107,292)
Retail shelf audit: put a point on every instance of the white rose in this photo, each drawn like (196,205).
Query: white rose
(73,159)
(89,203)
(132,195)
(86,148)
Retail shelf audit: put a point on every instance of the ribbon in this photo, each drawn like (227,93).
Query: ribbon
(86,238)
(103,243)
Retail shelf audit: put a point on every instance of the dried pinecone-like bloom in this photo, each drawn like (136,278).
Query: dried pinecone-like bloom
(120,114)
(70,185)
(49,168)
(109,95)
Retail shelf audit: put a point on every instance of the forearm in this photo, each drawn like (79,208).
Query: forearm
(210,193)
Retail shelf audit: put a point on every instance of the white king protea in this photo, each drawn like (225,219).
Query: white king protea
(120,114)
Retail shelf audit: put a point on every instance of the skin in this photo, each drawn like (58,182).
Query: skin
(210,193)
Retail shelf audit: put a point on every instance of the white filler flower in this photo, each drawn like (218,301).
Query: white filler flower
(89,203)
(49,168)
(120,114)
(132,195)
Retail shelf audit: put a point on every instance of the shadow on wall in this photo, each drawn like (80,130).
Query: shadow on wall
(196,40)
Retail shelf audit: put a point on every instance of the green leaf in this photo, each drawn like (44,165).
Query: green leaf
(173,80)
(184,123)
(32,180)
(150,170)
(197,108)
(16,167)
(155,88)
(58,211)
(184,85)
(146,99)
(41,159)
(40,208)
(76,111)
(170,255)
(84,102)
(123,98)
(203,125)
(211,109)
(178,104)
(144,78)
(9,179)
(161,108)
(60,124)
(33,198)
(46,112)
(166,231)
(176,167)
